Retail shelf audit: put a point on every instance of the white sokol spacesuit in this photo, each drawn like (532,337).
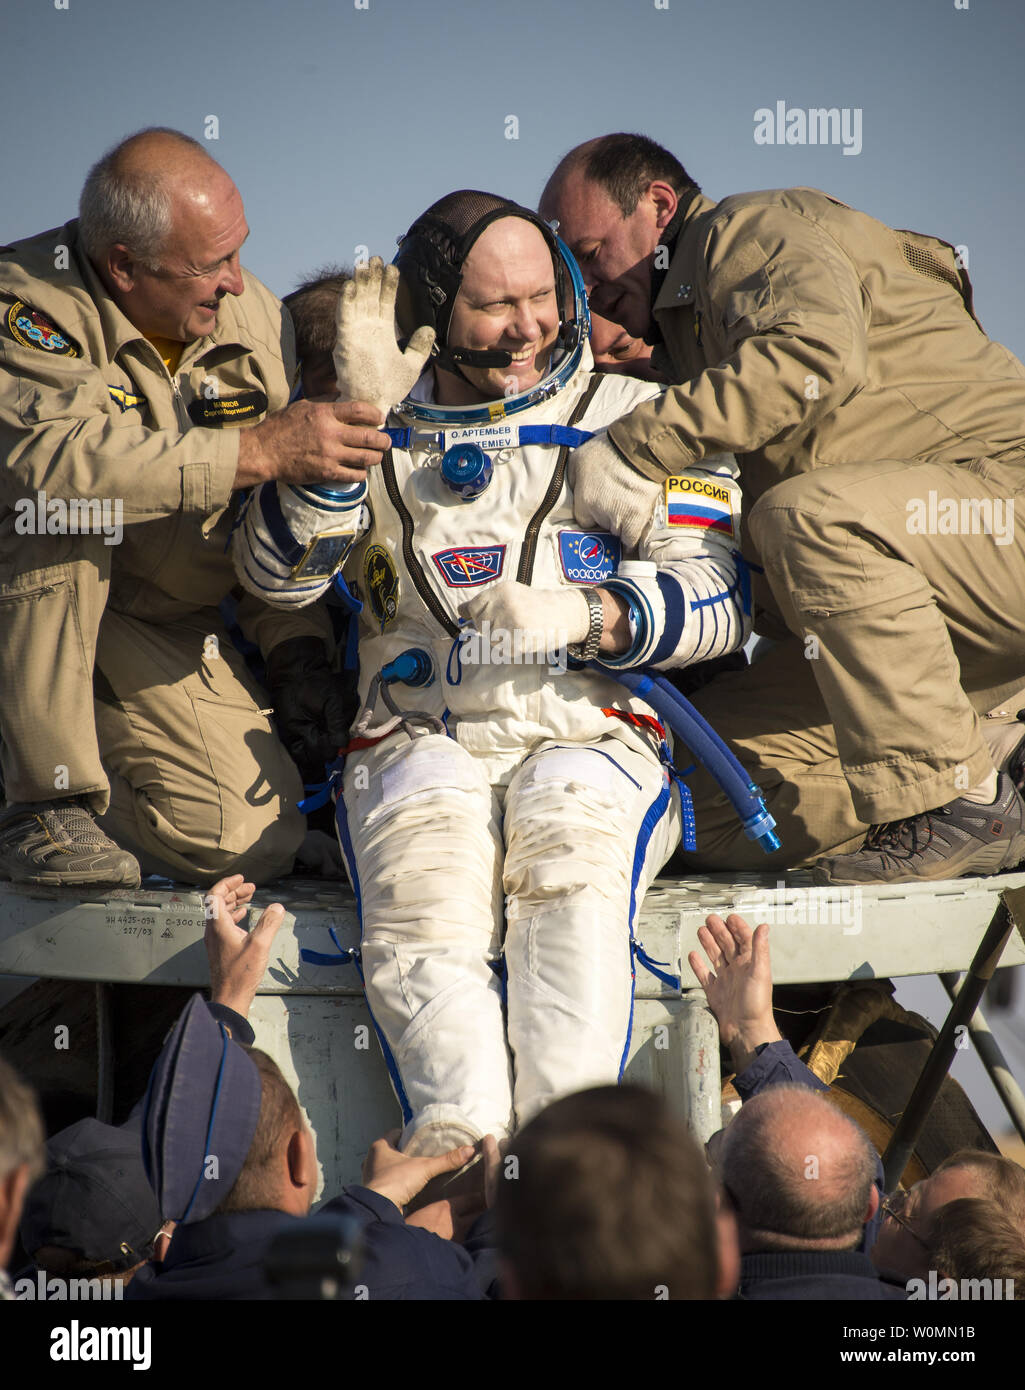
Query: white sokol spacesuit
(501,839)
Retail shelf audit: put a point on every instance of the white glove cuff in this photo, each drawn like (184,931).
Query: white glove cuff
(277,524)
(636,581)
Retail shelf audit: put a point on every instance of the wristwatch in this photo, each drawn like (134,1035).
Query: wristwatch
(587,650)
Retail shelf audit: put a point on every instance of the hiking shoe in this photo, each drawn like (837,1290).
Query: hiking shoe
(58,844)
(959,838)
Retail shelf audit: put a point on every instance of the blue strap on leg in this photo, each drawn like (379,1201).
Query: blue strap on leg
(689,829)
(320,793)
(673,981)
(344,957)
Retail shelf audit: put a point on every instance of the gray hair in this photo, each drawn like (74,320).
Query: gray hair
(127,206)
(780,1208)
(22,1137)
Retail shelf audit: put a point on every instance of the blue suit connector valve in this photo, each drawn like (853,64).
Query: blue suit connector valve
(412,667)
(467,470)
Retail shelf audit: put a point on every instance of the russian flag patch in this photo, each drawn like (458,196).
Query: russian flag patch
(701,502)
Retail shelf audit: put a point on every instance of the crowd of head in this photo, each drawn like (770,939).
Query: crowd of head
(603,1195)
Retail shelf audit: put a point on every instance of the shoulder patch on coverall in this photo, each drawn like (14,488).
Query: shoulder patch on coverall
(701,502)
(33,329)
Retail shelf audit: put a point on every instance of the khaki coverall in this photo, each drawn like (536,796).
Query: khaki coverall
(841,361)
(177,748)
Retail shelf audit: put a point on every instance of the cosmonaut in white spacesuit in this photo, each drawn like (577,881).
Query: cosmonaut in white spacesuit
(501,810)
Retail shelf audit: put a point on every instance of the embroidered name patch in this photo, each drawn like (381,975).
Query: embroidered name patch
(701,503)
(30,328)
(463,566)
(217,411)
(487,436)
(588,557)
(382,583)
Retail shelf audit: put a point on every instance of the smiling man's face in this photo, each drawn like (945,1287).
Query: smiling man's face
(198,263)
(506,300)
(615,253)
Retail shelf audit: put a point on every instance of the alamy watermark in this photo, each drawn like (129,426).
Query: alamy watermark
(806,907)
(502,646)
(818,125)
(936,1288)
(75,516)
(80,1342)
(961,516)
(43,1287)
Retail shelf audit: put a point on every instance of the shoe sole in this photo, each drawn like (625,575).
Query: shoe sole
(74,881)
(1003,857)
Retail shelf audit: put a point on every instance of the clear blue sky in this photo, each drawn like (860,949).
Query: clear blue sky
(341,124)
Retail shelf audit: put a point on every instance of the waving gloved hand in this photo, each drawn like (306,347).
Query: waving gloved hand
(609,495)
(545,619)
(313,706)
(368,363)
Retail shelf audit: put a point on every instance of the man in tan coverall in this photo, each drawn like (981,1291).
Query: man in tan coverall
(880,437)
(132,348)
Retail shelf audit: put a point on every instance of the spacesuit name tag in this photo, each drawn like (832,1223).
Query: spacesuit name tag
(487,436)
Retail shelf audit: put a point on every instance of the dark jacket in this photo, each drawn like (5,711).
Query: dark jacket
(223,1256)
(826,1274)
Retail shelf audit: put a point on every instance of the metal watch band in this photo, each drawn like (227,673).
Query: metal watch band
(588,649)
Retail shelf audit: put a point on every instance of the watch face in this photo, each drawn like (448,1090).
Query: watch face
(324,555)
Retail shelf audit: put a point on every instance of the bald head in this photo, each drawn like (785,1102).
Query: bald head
(799,1171)
(614,198)
(161,148)
(571,163)
(163,224)
(621,165)
(131,196)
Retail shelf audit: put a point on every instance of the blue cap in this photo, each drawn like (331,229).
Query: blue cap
(199,1116)
(94,1198)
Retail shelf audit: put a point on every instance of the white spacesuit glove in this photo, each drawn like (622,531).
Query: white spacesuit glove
(542,619)
(608,495)
(368,363)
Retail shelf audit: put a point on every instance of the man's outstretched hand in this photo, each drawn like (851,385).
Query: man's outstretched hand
(238,958)
(739,985)
(401,1178)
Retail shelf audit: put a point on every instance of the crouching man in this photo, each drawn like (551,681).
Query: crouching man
(502,809)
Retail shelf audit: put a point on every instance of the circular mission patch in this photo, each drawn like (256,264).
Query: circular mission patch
(30,328)
(382,583)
